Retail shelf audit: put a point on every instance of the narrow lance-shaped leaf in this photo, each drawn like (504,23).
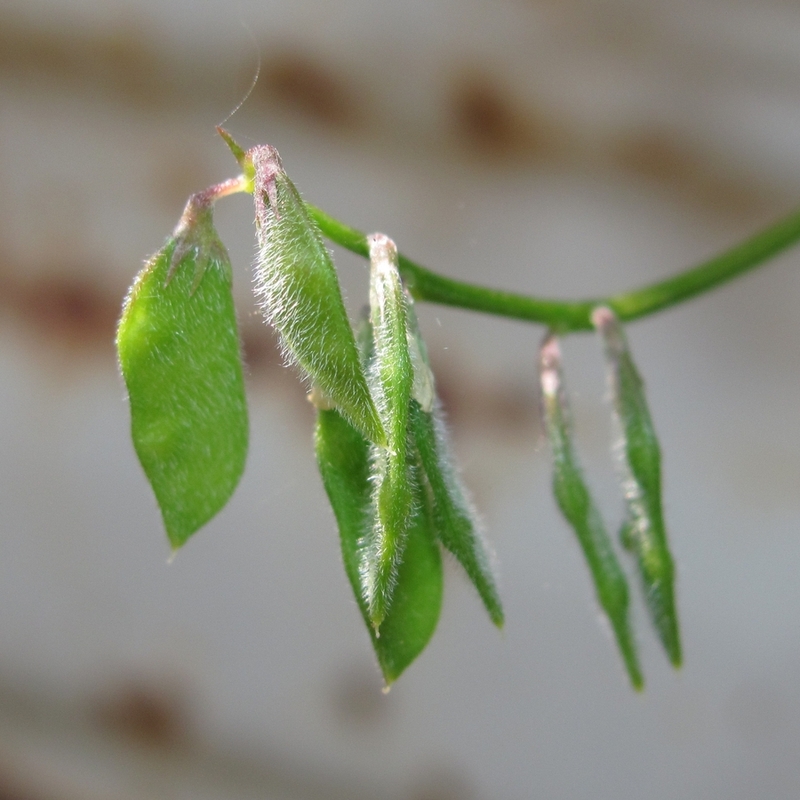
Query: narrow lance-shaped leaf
(391,379)
(179,354)
(644,532)
(577,506)
(343,459)
(299,293)
(455,521)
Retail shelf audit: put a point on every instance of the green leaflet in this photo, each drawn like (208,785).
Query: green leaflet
(576,504)
(343,459)
(454,520)
(393,373)
(179,354)
(644,533)
(300,296)
(391,379)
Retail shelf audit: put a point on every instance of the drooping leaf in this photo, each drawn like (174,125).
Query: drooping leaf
(343,459)
(391,378)
(577,506)
(643,532)
(455,521)
(180,356)
(300,295)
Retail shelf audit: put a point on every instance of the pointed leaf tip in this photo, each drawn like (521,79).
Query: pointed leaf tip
(242,157)
(238,152)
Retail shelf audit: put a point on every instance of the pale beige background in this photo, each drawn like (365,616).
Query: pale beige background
(563,148)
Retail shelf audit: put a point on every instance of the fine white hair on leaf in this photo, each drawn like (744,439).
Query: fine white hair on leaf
(424,387)
(390,378)
(457,524)
(644,531)
(383,544)
(575,501)
(298,291)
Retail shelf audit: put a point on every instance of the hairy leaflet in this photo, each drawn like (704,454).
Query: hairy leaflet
(578,508)
(643,533)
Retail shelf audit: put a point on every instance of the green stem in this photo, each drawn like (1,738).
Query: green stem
(563,316)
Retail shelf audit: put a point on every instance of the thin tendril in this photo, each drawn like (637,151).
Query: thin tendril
(253,83)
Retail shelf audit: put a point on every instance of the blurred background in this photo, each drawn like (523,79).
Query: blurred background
(564,148)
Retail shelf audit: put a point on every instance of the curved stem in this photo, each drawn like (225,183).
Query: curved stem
(564,316)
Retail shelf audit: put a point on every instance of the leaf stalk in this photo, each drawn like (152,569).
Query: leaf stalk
(564,316)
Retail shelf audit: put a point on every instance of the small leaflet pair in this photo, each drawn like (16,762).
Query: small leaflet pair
(403,501)
(380,443)
(643,532)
